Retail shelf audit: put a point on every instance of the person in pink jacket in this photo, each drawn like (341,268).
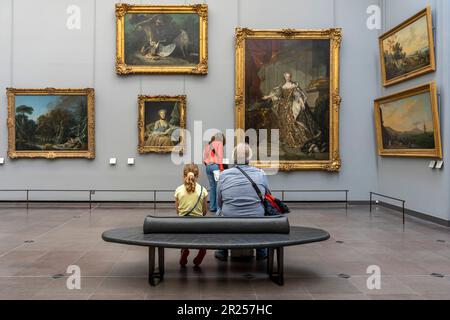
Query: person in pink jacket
(213,160)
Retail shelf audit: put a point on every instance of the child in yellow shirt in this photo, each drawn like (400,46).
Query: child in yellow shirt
(191,200)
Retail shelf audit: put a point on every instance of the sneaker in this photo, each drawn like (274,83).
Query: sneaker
(261,254)
(199,258)
(184,256)
(260,257)
(221,255)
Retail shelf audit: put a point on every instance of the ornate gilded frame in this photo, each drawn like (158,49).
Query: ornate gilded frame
(422,153)
(123,69)
(427,69)
(181,99)
(335,37)
(13,153)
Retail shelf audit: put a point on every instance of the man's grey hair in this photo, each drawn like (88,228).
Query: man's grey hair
(242,153)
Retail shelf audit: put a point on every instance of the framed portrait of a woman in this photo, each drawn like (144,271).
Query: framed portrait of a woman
(161,124)
(287,81)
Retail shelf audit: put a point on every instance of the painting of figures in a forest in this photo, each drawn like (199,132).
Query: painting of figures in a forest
(408,50)
(161,123)
(160,40)
(409,123)
(290,85)
(51,124)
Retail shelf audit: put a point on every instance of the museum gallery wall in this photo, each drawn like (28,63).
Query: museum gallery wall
(413,178)
(151,58)
(173,40)
(407,122)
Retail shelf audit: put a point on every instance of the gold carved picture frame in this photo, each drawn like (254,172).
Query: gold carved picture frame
(435,152)
(51,153)
(180,102)
(430,66)
(123,9)
(334,35)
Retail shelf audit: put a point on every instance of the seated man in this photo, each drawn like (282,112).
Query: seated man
(236,196)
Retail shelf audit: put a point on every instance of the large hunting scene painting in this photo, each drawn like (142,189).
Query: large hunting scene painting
(161,39)
(408,123)
(51,123)
(161,123)
(287,83)
(407,51)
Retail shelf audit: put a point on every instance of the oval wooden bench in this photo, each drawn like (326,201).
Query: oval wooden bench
(273,233)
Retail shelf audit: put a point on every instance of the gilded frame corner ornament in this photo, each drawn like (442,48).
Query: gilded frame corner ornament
(123,69)
(334,163)
(413,74)
(414,153)
(181,146)
(15,154)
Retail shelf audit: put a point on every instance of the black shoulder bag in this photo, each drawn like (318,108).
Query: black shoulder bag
(270,208)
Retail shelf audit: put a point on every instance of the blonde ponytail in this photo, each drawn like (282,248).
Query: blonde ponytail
(190,173)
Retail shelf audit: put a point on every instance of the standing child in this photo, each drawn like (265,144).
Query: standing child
(213,160)
(191,200)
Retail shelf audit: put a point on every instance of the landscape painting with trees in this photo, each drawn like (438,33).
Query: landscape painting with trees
(56,124)
(408,123)
(408,50)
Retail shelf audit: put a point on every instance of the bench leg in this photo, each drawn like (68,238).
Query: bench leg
(277,277)
(154,277)
(161,263)
(280,265)
(270,261)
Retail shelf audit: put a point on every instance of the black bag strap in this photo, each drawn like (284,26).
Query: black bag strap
(195,206)
(212,149)
(258,192)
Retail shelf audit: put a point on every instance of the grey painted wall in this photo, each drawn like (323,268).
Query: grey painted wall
(45,53)
(425,190)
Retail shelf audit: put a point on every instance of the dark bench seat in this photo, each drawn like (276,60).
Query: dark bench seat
(273,233)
